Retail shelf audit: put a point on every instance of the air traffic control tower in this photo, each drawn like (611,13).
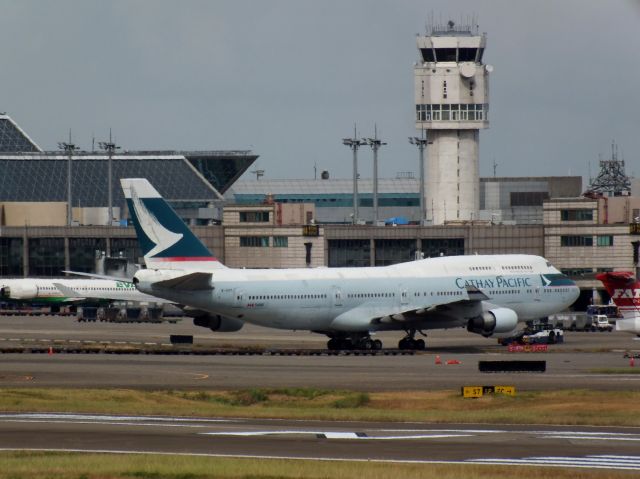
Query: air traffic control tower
(452,105)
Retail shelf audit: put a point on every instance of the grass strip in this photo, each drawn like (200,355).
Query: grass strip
(561,407)
(54,465)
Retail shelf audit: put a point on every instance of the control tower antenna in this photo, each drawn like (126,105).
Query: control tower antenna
(612,179)
(452,105)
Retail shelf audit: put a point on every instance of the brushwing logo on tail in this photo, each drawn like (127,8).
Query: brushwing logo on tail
(161,236)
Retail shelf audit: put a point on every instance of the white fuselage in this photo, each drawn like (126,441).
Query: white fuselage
(46,290)
(430,293)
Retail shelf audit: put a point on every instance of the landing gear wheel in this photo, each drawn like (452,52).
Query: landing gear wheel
(419,344)
(333,344)
(367,345)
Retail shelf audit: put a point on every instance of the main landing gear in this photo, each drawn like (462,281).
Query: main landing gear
(362,342)
(410,342)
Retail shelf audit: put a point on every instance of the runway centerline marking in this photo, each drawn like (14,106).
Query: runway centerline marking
(331,434)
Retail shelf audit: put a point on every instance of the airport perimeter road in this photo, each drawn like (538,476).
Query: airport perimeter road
(598,448)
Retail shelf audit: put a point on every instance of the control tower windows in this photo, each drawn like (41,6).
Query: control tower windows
(427,55)
(451,112)
(446,54)
(467,54)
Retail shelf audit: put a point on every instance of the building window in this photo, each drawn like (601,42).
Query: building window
(83,251)
(254,241)
(528,198)
(433,247)
(11,257)
(254,217)
(349,252)
(46,256)
(280,241)
(576,240)
(576,215)
(392,251)
(605,240)
(576,272)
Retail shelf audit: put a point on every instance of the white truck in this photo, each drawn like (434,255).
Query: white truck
(601,323)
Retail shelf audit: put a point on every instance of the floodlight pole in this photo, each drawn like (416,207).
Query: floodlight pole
(375,144)
(110,147)
(354,143)
(68,148)
(421,143)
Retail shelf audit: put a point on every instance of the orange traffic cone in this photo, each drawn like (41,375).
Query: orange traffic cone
(632,362)
(453,361)
(438,360)
(50,350)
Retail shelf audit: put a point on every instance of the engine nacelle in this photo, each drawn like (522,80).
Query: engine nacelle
(18,291)
(499,320)
(215,322)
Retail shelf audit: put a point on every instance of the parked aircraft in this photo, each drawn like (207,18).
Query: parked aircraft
(486,294)
(624,289)
(43,290)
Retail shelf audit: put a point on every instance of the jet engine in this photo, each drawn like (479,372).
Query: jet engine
(499,320)
(19,292)
(215,322)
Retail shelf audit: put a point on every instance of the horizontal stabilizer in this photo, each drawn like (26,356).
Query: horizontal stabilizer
(70,293)
(189,282)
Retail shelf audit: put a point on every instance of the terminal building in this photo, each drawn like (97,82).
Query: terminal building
(35,235)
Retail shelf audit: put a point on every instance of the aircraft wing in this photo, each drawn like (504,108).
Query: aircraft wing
(442,309)
(198,281)
(70,293)
(98,276)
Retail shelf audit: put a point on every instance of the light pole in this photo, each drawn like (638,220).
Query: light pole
(68,148)
(354,143)
(421,143)
(375,144)
(110,147)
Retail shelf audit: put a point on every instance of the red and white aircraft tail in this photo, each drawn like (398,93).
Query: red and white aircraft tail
(624,289)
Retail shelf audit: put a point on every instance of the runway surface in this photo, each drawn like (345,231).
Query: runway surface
(567,366)
(601,448)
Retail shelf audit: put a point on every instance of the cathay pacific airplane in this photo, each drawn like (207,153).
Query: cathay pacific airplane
(488,295)
(40,290)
